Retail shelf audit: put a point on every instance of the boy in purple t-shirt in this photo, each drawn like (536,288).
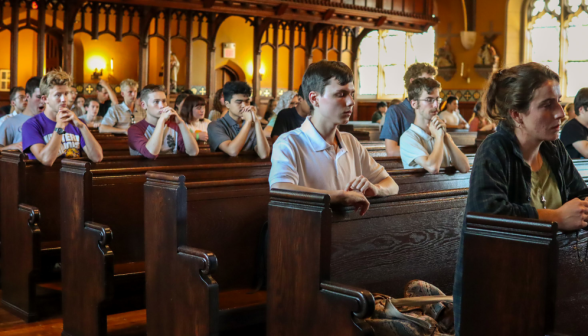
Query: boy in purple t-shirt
(162,131)
(57,131)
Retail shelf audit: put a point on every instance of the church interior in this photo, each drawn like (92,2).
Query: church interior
(201,245)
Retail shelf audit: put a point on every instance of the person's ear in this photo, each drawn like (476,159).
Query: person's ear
(44,99)
(313,96)
(516,116)
(143,105)
(414,103)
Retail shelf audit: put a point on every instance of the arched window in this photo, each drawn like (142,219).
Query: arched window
(384,56)
(562,50)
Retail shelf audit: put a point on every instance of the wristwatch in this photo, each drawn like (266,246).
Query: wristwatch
(59,131)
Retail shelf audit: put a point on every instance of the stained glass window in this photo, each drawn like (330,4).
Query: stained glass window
(563,52)
(384,57)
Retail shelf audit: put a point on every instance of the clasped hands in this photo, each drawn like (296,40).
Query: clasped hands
(356,192)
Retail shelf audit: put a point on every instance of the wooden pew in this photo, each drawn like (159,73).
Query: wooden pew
(183,266)
(30,218)
(532,266)
(323,270)
(102,201)
(119,145)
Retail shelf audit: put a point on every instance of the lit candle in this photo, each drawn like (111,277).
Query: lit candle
(461,69)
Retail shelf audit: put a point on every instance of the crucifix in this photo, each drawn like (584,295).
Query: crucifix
(491,35)
(449,35)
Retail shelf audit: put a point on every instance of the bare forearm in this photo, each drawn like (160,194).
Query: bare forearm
(92,148)
(111,129)
(262,148)
(387,187)
(435,159)
(189,141)
(458,158)
(154,144)
(237,144)
(392,148)
(49,153)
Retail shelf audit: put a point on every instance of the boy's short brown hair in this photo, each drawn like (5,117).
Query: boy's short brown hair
(416,70)
(54,78)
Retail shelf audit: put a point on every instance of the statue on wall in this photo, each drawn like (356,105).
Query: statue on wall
(487,56)
(444,57)
(174,69)
(445,62)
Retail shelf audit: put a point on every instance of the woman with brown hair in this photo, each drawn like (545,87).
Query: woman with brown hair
(218,106)
(523,169)
(193,113)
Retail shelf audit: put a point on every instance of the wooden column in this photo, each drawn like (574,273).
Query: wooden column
(189,48)
(356,41)
(70,11)
(41,38)
(340,39)
(275,60)
(292,56)
(259,27)
(14,43)
(167,52)
(144,22)
(325,43)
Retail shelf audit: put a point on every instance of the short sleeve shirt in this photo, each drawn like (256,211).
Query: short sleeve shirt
(141,132)
(226,128)
(200,126)
(573,131)
(376,116)
(11,129)
(302,157)
(4,118)
(104,108)
(121,116)
(451,118)
(399,117)
(40,129)
(414,143)
(287,120)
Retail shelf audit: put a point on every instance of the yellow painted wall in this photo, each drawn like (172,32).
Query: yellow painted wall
(236,30)
(5,54)
(125,55)
(27,56)
(199,55)
(486,12)
(156,46)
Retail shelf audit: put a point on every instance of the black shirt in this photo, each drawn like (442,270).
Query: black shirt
(573,131)
(287,120)
(104,108)
(376,116)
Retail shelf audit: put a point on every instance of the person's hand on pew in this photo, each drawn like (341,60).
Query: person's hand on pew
(571,216)
(14,146)
(386,187)
(355,199)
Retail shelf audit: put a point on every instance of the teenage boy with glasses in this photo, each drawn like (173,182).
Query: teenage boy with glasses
(426,144)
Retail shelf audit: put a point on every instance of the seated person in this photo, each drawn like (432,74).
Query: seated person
(574,134)
(11,129)
(400,116)
(523,170)
(81,102)
(162,131)
(451,115)
(269,111)
(347,172)
(219,109)
(378,116)
(72,102)
(106,97)
(193,112)
(480,122)
(239,129)
(91,117)
(288,99)
(57,131)
(121,116)
(291,118)
(426,144)
(18,101)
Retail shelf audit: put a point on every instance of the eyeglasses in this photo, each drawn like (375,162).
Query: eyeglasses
(432,100)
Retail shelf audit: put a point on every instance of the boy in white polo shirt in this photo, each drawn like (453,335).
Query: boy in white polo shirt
(426,144)
(317,157)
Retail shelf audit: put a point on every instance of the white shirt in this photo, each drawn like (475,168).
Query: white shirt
(414,143)
(201,126)
(450,118)
(302,157)
(3,119)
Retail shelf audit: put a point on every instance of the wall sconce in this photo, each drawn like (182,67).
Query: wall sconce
(261,72)
(465,75)
(96,74)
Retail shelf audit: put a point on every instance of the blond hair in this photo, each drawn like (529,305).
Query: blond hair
(129,83)
(54,78)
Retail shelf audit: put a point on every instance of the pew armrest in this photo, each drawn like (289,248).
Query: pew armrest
(207,260)
(34,215)
(362,299)
(103,231)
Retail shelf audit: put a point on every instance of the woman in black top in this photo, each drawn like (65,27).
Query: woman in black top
(523,169)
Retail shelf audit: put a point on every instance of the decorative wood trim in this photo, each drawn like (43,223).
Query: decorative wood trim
(167,51)
(292,55)
(189,47)
(275,59)
(41,37)
(15,6)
